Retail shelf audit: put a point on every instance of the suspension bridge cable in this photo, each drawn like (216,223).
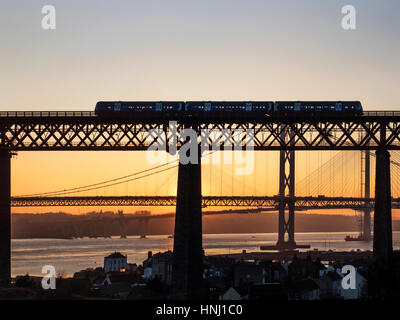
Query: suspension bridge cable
(106,183)
(97,184)
(117,183)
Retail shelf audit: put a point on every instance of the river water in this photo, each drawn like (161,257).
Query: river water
(69,256)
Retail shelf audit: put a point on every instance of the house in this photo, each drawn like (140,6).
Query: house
(304,289)
(115,262)
(147,273)
(303,268)
(231,294)
(117,285)
(359,291)
(162,266)
(210,271)
(360,278)
(215,287)
(148,262)
(158,266)
(330,284)
(246,273)
(217,266)
(274,272)
(132,267)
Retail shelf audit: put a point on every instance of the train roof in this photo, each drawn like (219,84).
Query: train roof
(138,102)
(230,102)
(318,102)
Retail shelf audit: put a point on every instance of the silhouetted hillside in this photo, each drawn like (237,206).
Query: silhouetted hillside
(61,225)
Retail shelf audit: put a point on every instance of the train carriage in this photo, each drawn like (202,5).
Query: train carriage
(139,110)
(317,108)
(228,110)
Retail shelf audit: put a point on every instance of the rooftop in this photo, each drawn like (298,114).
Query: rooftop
(115,255)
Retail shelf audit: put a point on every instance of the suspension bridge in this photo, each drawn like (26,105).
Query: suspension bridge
(370,136)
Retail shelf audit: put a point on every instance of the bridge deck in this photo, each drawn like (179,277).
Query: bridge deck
(301,203)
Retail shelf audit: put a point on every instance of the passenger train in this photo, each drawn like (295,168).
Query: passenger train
(224,109)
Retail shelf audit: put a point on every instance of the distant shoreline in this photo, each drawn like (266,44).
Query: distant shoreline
(166,235)
(65,226)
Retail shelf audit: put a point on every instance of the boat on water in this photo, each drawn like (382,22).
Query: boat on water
(362,234)
(360,237)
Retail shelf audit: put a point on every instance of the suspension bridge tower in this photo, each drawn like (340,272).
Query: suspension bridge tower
(286,222)
(365,176)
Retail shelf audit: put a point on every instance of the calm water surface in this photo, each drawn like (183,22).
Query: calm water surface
(69,256)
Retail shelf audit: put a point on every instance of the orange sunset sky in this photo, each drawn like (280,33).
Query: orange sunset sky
(187,50)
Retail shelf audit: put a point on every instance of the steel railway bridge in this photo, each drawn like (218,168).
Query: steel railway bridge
(377,132)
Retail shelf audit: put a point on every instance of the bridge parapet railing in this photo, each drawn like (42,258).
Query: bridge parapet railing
(381,113)
(23,114)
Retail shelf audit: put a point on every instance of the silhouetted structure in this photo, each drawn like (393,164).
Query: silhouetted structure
(383,245)
(187,267)
(5,218)
(286,189)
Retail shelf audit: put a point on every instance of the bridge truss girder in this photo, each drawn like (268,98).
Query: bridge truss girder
(370,132)
(300,203)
